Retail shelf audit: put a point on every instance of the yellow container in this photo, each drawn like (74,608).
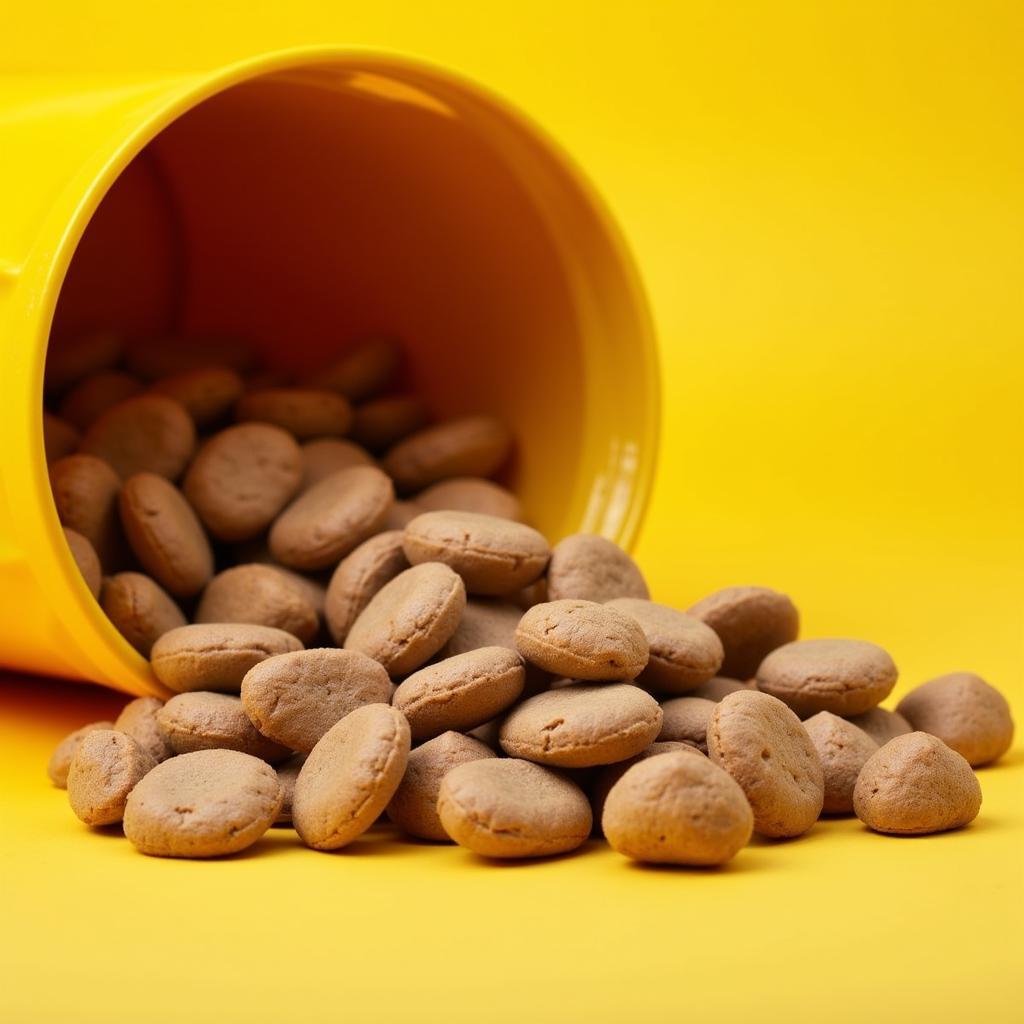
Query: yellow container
(300,199)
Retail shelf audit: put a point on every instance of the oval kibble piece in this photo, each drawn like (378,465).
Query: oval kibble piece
(751,622)
(326,455)
(846,677)
(361,372)
(763,745)
(916,785)
(685,719)
(295,698)
(86,559)
(410,618)
(214,721)
(881,725)
(70,359)
(719,687)
(303,412)
(95,394)
(85,491)
(358,577)
(843,750)
(350,776)
(966,713)
(685,653)
(383,422)
(677,809)
(413,808)
(493,556)
(469,446)
(60,439)
(261,595)
(139,719)
(207,394)
(592,568)
(611,773)
(461,692)
(205,804)
(215,656)
(326,522)
(241,479)
(471,494)
(145,434)
(287,775)
(582,725)
(106,768)
(140,609)
(165,534)
(582,640)
(502,807)
(64,753)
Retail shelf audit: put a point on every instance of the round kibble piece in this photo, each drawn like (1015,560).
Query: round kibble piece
(915,785)
(287,774)
(106,768)
(64,753)
(295,698)
(413,808)
(751,622)
(843,749)
(593,568)
(145,434)
(719,687)
(685,719)
(685,653)
(215,656)
(261,595)
(965,712)
(361,372)
(846,677)
(208,393)
(59,438)
(86,559)
(85,491)
(766,749)
(677,809)
(334,516)
(492,555)
(302,412)
(165,534)
(582,640)
(611,773)
(471,494)
(410,618)
(350,776)
(881,725)
(383,422)
(582,725)
(326,455)
(139,719)
(94,395)
(140,609)
(205,804)
(70,359)
(241,479)
(502,807)
(470,446)
(461,692)
(359,576)
(214,721)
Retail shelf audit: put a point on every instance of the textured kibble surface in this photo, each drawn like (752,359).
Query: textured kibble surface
(64,752)
(843,749)
(140,608)
(202,720)
(610,774)
(686,719)
(105,769)
(359,576)
(471,494)
(140,719)
(881,725)
(592,568)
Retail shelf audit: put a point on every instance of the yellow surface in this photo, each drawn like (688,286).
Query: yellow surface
(826,204)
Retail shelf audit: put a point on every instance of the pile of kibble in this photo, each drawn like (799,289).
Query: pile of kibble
(338,653)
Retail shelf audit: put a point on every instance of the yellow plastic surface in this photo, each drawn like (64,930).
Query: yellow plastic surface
(825,202)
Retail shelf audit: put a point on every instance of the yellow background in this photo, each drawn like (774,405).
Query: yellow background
(825,201)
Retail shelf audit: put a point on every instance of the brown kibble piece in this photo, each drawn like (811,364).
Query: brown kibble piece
(139,719)
(763,745)
(333,517)
(501,807)
(383,422)
(360,574)
(94,395)
(471,494)
(361,372)
(214,721)
(86,559)
(303,412)
(106,768)
(582,725)
(582,640)
(846,677)
(295,698)
(205,804)
(59,437)
(64,753)
(611,773)
(410,618)
(843,750)
(165,534)
(413,808)
(685,653)
(592,568)
(350,776)
(916,785)
(881,725)
(685,719)
(215,656)
(145,434)
(207,393)
(140,609)
(69,360)
(287,774)
(751,622)
(493,556)
(677,809)
(461,692)
(241,479)
(326,455)
(470,446)
(966,713)
(719,687)
(85,491)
